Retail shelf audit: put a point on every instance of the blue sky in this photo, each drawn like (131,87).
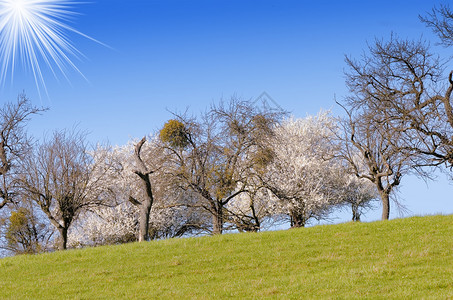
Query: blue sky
(169,55)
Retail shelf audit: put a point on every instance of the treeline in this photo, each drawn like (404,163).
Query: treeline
(239,166)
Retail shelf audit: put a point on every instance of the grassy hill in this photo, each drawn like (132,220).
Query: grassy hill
(404,258)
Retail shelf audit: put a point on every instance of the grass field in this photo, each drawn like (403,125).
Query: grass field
(398,259)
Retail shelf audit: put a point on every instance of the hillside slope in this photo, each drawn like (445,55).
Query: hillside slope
(404,258)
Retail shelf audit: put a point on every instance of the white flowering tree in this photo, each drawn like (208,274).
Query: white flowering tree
(120,224)
(106,225)
(302,173)
(131,180)
(131,213)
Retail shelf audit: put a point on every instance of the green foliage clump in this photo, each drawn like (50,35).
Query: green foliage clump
(237,128)
(175,134)
(263,124)
(24,233)
(263,157)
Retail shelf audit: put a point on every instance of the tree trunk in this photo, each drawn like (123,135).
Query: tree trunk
(297,222)
(355,213)
(63,241)
(297,219)
(145,205)
(385,199)
(217,221)
(145,209)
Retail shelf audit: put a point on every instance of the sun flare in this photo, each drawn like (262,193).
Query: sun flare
(19,6)
(34,35)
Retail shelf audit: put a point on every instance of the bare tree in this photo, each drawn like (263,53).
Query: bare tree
(61,178)
(14,143)
(145,204)
(440,20)
(394,114)
(404,81)
(210,156)
(378,160)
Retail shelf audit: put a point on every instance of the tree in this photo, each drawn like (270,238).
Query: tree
(138,162)
(61,178)
(393,114)
(402,80)
(177,221)
(252,210)
(440,20)
(301,172)
(119,222)
(380,161)
(357,193)
(145,204)
(14,143)
(106,225)
(210,156)
(176,212)
(140,193)
(25,232)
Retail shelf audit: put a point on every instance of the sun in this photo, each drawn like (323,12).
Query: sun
(19,6)
(34,35)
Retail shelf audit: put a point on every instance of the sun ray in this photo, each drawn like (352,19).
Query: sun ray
(34,34)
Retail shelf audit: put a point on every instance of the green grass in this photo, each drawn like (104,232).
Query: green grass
(399,259)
